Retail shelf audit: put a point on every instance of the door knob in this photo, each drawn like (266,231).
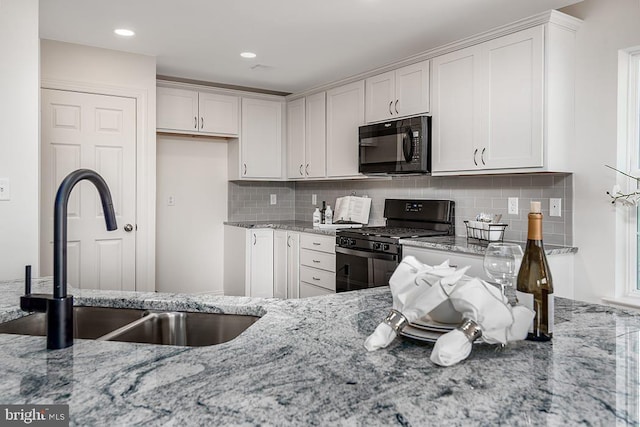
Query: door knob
(128,228)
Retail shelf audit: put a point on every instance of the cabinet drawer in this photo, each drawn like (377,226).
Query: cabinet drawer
(307,290)
(318,259)
(318,243)
(322,278)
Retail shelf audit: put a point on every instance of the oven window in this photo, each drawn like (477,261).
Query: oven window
(361,272)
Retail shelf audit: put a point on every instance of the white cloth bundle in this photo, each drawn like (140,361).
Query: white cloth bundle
(415,294)
(485,305)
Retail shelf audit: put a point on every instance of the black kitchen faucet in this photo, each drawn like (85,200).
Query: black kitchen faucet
(59,306)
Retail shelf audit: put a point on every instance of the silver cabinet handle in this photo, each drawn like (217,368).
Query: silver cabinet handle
(474,157)
(306,169)
(288,241)
(390,103)
(195,122)
(316,261)
(201,122)
(301,174)
(255,239)
(315,278)
(396,106)
(245,168)
(482,156)
(316,244)
(128,228)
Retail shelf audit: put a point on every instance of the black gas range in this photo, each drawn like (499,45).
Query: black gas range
(367,257)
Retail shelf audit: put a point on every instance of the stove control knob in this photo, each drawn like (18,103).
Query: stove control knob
(351,242)
(377,246)
(386,247)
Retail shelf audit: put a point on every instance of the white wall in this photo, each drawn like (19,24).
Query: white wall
(95,70)
(190,235)
(608,26)
(19,136)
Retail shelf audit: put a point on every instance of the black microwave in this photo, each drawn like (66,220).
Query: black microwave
(396,147)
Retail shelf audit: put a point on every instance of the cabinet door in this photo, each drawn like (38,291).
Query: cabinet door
(456,110)
(345,113)
(261,264)
(218,114)
(280,267)
(316,136)
(261,139)
(308,291)
(177,109)
(412,89)
(512,126)
(296,139)
(293,265)
(380,97)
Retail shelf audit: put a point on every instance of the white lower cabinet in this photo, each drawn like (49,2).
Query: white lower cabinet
(317,265)
(561,266)
(260,281)
(286,268)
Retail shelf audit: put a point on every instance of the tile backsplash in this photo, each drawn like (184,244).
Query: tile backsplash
(249,201)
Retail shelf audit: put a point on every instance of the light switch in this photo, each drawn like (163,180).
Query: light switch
(5,189)
(314,199)
(274,199)
(512,206)
(171,201)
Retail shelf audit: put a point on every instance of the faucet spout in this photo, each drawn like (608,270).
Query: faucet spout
(60,222)
(59,306)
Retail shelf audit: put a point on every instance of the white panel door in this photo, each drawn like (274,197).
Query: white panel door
(261,139)
(316,136)
(177,109)
(219,114)
(512,128)
(456,110)
(280,275)
(261,263)
(295,138)
(345,113)
(380,97)
(98,132)
(412,89)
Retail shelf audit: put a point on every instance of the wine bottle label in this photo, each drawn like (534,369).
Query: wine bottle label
(527,300)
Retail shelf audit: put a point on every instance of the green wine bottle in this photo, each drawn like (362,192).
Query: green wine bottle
(535,286)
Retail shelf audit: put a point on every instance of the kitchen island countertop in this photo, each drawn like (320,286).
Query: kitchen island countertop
(303,363)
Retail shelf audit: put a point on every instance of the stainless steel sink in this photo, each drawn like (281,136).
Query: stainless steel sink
(88,322)
(142,326)
(183,328)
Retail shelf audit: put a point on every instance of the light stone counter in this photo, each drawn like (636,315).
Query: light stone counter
(471,246)
(303,363)
(300,226)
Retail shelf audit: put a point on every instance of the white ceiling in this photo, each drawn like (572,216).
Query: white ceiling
(300,43)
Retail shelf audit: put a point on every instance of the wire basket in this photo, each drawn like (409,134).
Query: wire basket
(485,231)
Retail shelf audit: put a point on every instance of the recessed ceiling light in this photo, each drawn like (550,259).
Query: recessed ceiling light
(248,55)
(124,32)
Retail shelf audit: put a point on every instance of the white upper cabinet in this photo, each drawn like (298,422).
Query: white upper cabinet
(399,93)
(316,136)
(345,113)
(193,112)
(306,137)
(296,139)
(489,105)
(261,139)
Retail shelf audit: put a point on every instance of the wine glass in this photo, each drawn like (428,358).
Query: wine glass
(502,262)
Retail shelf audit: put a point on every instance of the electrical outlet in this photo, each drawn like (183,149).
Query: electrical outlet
(5,189)
(314,199)
(274,199)
(555,207)
(512,206)
(171,201)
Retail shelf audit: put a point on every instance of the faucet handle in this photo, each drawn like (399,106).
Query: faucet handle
(27,280)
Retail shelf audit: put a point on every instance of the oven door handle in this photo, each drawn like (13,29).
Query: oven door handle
(365,254)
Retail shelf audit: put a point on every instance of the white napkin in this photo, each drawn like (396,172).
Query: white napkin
(486,306)
(416,292)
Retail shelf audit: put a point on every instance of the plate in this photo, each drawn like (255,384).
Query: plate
(420,334)
(426,323)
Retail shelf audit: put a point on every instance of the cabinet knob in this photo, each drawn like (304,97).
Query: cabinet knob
(306,169)
(396,106)
(474,157)
(201,122)
(390,104)
(195,122)
(482,155)
(245,168)
(301,174)
(255,239)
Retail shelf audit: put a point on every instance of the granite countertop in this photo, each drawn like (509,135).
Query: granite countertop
(303,363)
(301,226)
(471,246)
